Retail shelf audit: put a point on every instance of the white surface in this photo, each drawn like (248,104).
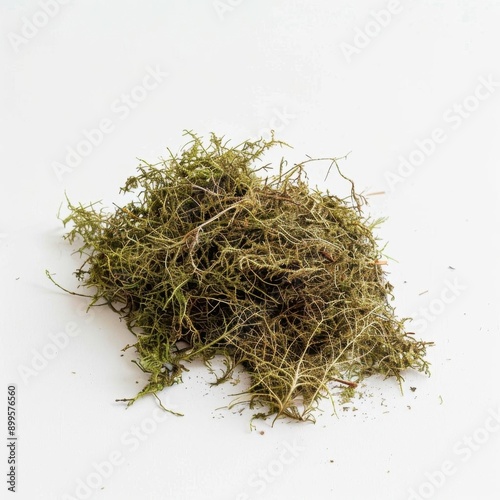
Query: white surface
(239,71)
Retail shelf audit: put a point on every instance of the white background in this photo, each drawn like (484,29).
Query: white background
(239,68)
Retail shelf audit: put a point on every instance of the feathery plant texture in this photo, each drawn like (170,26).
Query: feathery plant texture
(277,277)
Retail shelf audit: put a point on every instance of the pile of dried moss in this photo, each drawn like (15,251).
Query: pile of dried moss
(212,257)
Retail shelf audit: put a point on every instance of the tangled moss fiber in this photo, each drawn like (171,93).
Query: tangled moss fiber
(213,258)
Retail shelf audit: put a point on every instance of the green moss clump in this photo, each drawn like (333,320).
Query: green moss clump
(211,257)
